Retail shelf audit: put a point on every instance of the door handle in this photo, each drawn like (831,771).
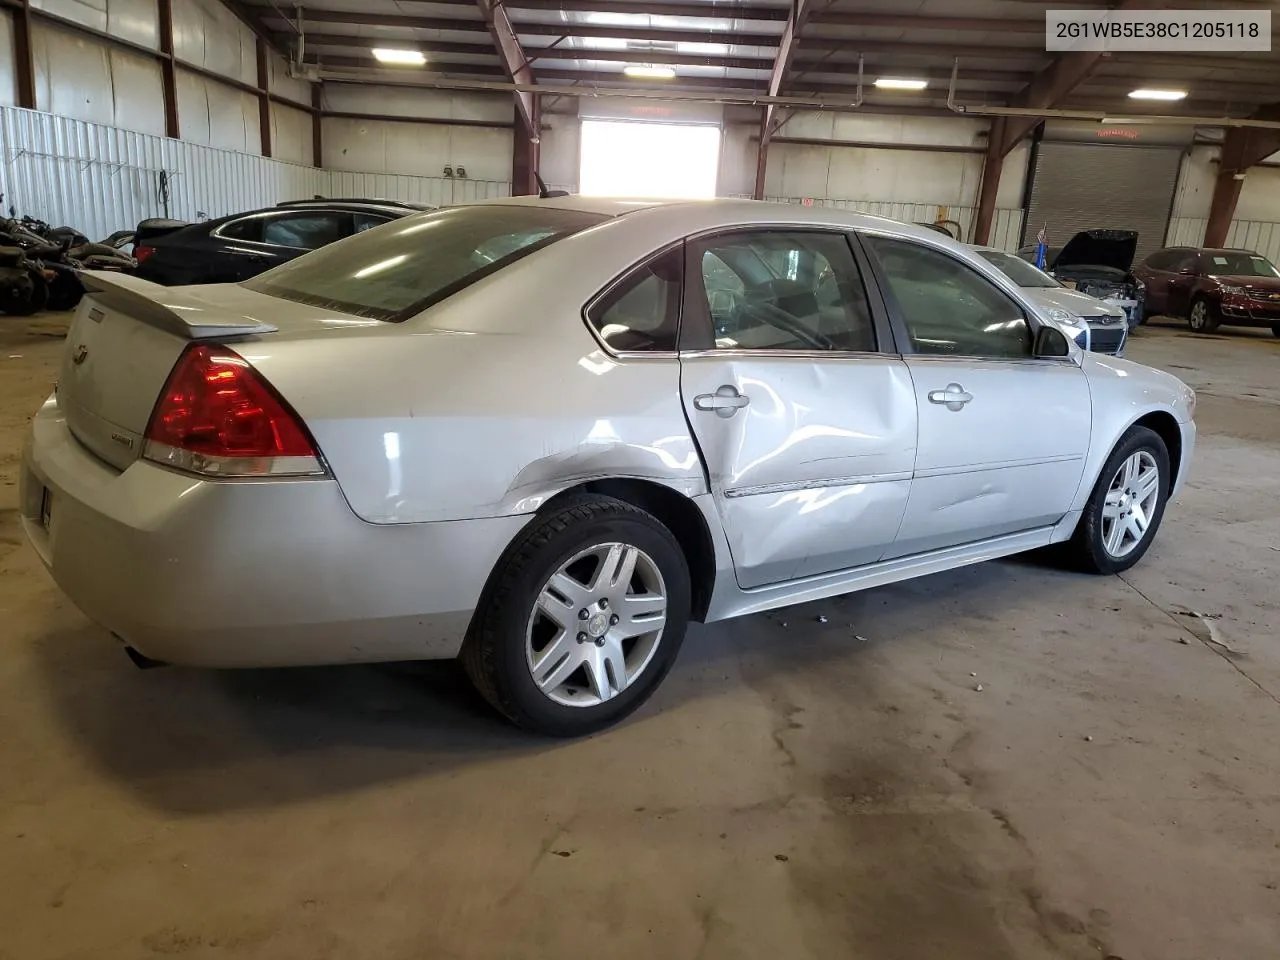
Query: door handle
(726,401)
(953,398)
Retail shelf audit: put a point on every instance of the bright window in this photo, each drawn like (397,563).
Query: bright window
(623,158)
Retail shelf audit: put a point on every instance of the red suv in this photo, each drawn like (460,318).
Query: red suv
(1212,287)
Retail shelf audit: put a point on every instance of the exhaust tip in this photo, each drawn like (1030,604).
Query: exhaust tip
(142,661)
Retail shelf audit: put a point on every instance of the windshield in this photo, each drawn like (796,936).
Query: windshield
(397,270)
(1240,265)
(1017,269)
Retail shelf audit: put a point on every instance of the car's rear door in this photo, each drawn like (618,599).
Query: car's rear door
(1002,435)
(803,411)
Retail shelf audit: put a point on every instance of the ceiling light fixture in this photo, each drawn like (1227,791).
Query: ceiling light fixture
(413,58)
(649,71)
(1151,94)
(900,83)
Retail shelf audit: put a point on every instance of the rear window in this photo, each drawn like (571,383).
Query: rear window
(398,270)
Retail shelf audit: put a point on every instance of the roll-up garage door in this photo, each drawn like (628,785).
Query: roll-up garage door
(1083,186)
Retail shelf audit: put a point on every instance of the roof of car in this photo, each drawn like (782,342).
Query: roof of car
(721,210)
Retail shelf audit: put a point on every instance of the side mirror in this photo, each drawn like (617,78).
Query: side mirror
(1051,342)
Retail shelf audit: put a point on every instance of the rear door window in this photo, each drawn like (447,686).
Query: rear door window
(394,273)
(306,231)
(641,313)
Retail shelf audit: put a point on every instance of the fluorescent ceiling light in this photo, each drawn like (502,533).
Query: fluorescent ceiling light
(649,71)
(900,83)
(1150,94)
(409,57)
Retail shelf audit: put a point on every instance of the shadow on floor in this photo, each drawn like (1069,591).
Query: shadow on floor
(196,741)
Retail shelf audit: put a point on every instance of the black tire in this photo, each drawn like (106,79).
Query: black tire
(65,291)
(1206,322)
(1086,550)
(1275,329)
(494,655)
(27,300)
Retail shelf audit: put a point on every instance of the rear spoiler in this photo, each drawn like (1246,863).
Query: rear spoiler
(172,310)
(157,227)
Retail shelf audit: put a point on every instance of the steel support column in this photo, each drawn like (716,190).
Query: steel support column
(1242,148)
(24,68)
(317,118)
(786,50)
(264,96)
(992,167)
(168,76)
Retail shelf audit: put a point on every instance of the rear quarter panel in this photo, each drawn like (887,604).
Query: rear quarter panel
(492,401)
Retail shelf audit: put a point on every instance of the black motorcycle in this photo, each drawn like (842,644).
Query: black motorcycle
(23,287)
(59,254)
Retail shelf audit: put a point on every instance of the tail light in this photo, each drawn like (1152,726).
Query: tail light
(141,253)
(218,417)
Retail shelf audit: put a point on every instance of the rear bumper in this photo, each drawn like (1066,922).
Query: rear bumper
(247,573)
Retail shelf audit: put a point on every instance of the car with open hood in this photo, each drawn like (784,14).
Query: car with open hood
(1092,323)
(1212,287)
(1099,263)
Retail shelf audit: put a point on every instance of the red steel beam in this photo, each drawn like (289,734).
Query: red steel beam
(1242,148)
(264,96)
(800,10)
(168,78)
(317,136)
(527,136)
(24,67)
(906,21)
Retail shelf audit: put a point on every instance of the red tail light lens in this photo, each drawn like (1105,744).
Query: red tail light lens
(216,416)
(141,253)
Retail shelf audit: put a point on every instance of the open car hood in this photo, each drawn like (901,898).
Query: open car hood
(1099,248)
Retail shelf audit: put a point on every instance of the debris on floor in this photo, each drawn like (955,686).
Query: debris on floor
(1210,633)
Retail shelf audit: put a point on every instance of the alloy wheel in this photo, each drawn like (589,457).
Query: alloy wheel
(596,624)
(1130,504)
(1199,315)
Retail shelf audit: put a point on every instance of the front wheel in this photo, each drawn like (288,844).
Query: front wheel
(1203,316)
(1127,504)
(582,618)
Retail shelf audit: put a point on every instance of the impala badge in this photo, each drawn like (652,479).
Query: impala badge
(80,355)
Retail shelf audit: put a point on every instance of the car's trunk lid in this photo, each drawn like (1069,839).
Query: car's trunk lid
(125,338)
(1099,248)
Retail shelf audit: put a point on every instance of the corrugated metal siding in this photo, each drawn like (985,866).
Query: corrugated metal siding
(1258,235)
(437,191)
(100,179)
(1005,230)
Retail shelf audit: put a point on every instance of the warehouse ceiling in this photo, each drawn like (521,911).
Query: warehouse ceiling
(758,47)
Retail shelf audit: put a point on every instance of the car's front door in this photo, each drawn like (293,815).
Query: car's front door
(804,414)
(1184,273)
(1002,435)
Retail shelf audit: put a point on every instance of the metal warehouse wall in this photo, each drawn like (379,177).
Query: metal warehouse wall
(100,179)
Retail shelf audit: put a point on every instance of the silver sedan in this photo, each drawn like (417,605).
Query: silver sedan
(545,434)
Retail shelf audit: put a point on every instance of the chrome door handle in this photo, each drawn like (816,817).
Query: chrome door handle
(726,401)
(953,398)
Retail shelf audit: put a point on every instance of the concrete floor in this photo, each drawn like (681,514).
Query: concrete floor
(799,788)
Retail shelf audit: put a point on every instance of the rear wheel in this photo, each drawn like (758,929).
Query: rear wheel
(582,619)
(1203,316)
(1127,504)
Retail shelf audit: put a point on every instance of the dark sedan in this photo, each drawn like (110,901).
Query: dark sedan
(1213,287)
(246,244)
